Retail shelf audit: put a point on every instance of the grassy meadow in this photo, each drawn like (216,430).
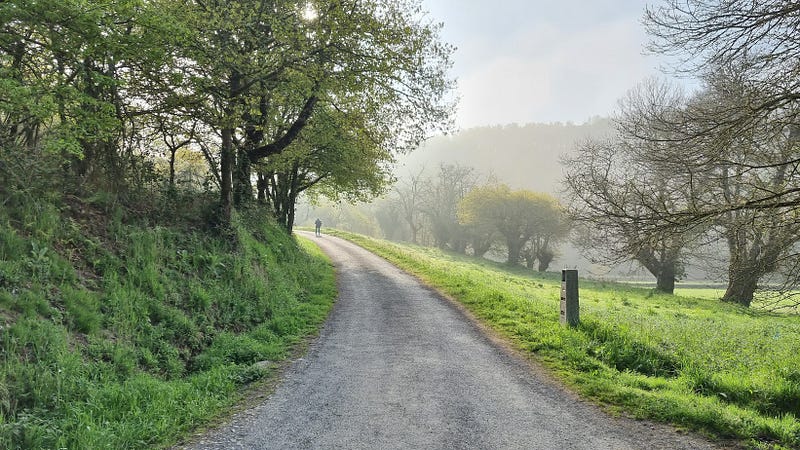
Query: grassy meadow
(125,331)
(687,359)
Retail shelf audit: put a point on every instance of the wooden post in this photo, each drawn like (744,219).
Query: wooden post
(569,298)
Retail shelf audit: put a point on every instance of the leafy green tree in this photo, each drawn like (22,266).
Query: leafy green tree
(516,215)
(377,63)
(328,160)
(67,68)
(551,228)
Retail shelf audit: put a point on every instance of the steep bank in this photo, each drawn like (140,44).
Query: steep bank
(124,327)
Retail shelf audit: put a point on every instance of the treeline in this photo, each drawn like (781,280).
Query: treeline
(275,97)
(455,209)
(717,166)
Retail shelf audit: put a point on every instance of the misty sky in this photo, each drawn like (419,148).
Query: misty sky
(541,60)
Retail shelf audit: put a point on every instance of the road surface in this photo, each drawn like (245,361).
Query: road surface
(398,367)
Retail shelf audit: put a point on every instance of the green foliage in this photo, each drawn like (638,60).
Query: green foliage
(115,335)
(523,218)
(690,361)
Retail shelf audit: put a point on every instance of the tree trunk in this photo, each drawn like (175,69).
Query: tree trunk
(662,266)
(479,248)
(294,188)
(514,249)
(746,267)
(665,279)
(741,287)
(545,258)
(529,260)
(226,173)
(228,153)
(172,152)
(261,186)
(414,230)
(243,188)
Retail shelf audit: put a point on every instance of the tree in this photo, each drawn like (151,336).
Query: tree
(551,227)
(516,215)
(408,193)
(440,198)
(755,43)
(621,196)
(758,241)
(327,160)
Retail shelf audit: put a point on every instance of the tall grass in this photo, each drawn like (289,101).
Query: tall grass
(116,333)
(695,362)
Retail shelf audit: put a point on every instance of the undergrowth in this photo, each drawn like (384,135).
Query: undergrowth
(119,330)
(730,372)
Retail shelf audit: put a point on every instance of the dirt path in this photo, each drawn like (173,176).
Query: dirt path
(397,366)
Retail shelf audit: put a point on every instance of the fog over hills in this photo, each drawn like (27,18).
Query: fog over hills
(522,156)
(528,157)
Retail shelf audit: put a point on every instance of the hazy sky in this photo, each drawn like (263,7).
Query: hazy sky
(542,60)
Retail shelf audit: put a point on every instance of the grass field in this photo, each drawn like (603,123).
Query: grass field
(688,359)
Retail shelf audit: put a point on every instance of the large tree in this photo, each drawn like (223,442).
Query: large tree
(378,63)
(328,160)
(612,201)
(751,50)
(759,241)
(621,195)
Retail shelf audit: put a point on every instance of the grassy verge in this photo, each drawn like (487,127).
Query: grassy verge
(118,335)
(694,362)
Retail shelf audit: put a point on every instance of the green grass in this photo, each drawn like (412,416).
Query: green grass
(706,293)
(695,362)
(118,334)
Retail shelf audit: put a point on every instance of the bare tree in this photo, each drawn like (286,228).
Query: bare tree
(409,197)
(614,201)
(757,45)
(440,198)
(664,180)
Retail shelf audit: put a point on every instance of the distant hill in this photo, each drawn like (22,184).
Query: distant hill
(522,156)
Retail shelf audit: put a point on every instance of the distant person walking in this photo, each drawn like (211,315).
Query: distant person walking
(318,227)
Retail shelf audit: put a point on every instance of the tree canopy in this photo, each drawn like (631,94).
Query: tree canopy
(295,95)
(520,217)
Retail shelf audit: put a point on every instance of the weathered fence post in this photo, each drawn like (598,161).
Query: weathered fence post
(569,298)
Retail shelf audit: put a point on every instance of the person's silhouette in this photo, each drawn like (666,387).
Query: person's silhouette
(318,227)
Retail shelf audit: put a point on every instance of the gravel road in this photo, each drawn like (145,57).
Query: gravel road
(398,366)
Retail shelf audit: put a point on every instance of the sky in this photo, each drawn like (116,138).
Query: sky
(523,61)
